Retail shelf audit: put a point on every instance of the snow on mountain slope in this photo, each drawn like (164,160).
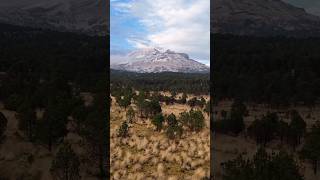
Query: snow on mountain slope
(157,60)
(84,16)
(263,18)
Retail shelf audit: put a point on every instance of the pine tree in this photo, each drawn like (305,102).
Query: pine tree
(130,115)
(123,130)
(66,164)
(157,120)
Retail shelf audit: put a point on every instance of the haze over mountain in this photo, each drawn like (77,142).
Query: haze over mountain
(262,18)
(83,16)
(157,60)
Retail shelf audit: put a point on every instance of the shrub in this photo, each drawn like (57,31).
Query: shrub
(157,121)
(123,130)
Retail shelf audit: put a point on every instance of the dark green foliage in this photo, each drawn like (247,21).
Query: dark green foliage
(283,130)
(174,130)
(193,119)
(239,108)
(262,167)
(166,81)
(276,70)
(124,101)
(27,120)
(157,120)
(130,115)
(264,130)
(148,108)
(123,130)
(154,107)
(297,128)
(52,128)
(66,164)
(311,147)
(196,122)
(183,99)
(172,120)
(3,125)
(233,124)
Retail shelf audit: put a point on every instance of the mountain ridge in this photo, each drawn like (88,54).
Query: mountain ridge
(82,16)
(262,18)
(157,60)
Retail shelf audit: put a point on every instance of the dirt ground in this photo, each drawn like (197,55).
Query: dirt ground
(148,154)
(228,147)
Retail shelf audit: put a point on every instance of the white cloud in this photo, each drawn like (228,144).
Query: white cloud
(139,43)
(179,25)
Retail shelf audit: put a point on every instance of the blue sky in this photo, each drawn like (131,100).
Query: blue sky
(178,25)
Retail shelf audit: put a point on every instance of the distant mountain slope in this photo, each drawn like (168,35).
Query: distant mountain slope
(84,16)
(156,60)
(262,18)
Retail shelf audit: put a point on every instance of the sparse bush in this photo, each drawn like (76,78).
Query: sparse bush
(157,121)
(172,120)
(174,131)
(196,120)
(123,130)
(233,124)
(193,119)
(264,130)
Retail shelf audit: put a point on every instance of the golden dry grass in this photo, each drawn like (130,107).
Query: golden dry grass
(147,154)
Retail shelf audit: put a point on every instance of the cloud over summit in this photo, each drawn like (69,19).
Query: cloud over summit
(180,25)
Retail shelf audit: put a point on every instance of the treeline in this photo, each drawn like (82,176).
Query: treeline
(166,81)
(274,70)
(124,96)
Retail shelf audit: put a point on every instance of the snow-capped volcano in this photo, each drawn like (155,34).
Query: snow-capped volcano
(262,18)
(84,16)
(157,60)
